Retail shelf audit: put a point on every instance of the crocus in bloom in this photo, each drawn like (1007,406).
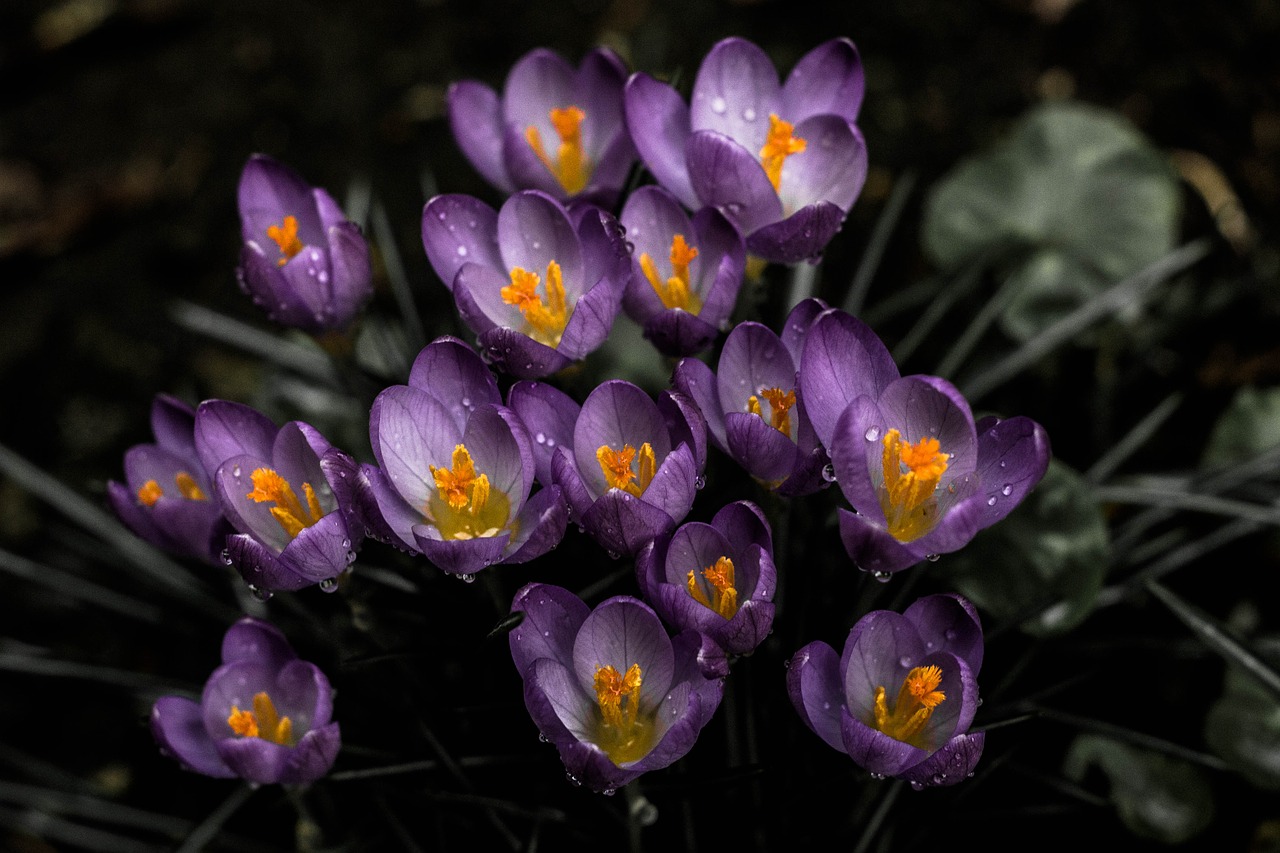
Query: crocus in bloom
(922,477)
(274,484)
(264,715)
(901,696)
(554,128)
(539,288)
(167,498)
(754,413)
(302,262)
(685,274)
(717,578)
(614,693)
(783,162)
(455,468)
(634,466)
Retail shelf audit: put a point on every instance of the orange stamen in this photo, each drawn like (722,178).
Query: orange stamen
(288,511)
(149,493)
(618,471)
(262,722)
(911,475)
(285,235)
(720,578)
(570,166)
(917,698)
(778,146)
(675,291)
(546,320)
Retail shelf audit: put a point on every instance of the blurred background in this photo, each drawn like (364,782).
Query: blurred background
(124,125)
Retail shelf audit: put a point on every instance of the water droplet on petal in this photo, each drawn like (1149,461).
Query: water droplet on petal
(991,501)
(829,472)
(872,433)
(260,594)
(950,633)
(904,662)
(883,577)
(718,106)
(225,557)
(462,251)
(329,585)
(1007,490)
(468,578)
(932,558)
(700,482)
(541,438)
(879,777)
(749,114)
(235,472)
(917,786)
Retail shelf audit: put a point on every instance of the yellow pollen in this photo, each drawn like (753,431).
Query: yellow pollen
(285,235)
(150,493)
(288,511)
(570,166)
(723,598)
(778,146)
(618,470)
(780,403)
(623,733)
(187,487)
(674,292)
(911,475)
(545,320)
(917,698)
(262,722)
(464,506)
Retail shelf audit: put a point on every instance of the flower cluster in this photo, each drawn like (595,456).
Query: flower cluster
(466,475)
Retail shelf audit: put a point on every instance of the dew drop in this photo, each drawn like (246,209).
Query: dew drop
(462,251)
(614,555)
(718,106)
(883,577)
(1007,490)
(543,738)
(322,276)
(904,662)
(700,482)
(879,777)
(468,578)
(829,472)
(351,557)
(260,594)
(1003,463)
(235,472)
(346,543)
(917,786)
(541,438)
(872,433)
(329,585)
(609,792)
(748,114)
(950,634)
(226,557)
(932,558)
(991,501)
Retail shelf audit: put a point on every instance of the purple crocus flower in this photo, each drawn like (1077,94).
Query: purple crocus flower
(634,466)
(276,488)
(922,477)
(685,273)
(167,498)
(901,696)
(554,415)
(539,288)
(302,261)
(717,578)
(783,162)
(264,715)
(608,687)
(753,411)
(554,128)
(455,468)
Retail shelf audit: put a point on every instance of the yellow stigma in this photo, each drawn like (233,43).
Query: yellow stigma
(623,733)
(674,292)
(262,722)
(149,493)
(778,146)
(285,235)
(722,597)
(545,320)
(187,487)
(288,511)
(780,403)
(570,166)
(618,469)
(917,698)
(911,474)
(464,507)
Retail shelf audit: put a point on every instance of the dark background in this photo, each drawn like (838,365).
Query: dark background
(123,128)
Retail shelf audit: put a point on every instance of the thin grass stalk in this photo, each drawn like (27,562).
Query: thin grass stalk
(886,224)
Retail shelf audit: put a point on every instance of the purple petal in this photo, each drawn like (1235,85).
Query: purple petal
(874,750)
(857,452)
(800,237)
(952,764)
(519,355)
(827,79)
(885,649)
(817,692)
(729,177)
(313,756)
(527,169)
(540,526)
(1013,456)
(593,317)
(258,642)
(872,548)
(390,518)
(458,229)
(564,473)
(743,523)
(234,483)
(658,121)
(616,413)
(765,453)
(678,333)
(539,82)
(622,632)
(477,292)
(268,191)
(173,423)
(832,168)
(796,327)
(623,524)
(410,431)
(552,617)
(450,371)
(319,552)
(224,429)
(695,380)
(686,425)
(178,727)
(674,486)
(533,230)
(352,284)
(735,91)
(254,759)
(842,360)
(475,117)
(462,557)
(598,89)
(549,415)
(753,359)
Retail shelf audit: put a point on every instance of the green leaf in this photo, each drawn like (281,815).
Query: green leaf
(1155,795)
(1243,726)
(1079,196)
(1045,562)
(1250,425)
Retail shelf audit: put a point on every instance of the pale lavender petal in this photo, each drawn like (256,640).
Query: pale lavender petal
(622,632)
(454,374)
(477,292)
(800,237)
(885,649)
(519,355)
(533,230)
(951,764)
(817,692)
(173,424)
(268,191)
(857,452)
(178,727)
(729,177)
(256,641)
(392,519)
(1013,456)
(796,327)
(842,360)
(616,413)
(540,526)
(735,91)
(623,524)
(539,82)
(593,317)
(552,617)
(928,407)
(313,756)
(458,229)
(832,167)
(874,750)
(352,283)
(549,415)
(765,453)
(753,359)
(224,429)
(234,482)
(658,122)
(696,381)
(411,431)
(475,117)
(827,79)
(872,548)
(254,759)
(461,557)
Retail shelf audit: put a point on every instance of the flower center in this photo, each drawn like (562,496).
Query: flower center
(911,474)
(674,292)
(715,591)
(780,403)
(150,491)
(622,469)
(285,235)
(288,511)
(917,698)
(463,506)
(778,146)
(622,732)
(546,320)
(262,722)
(570,165)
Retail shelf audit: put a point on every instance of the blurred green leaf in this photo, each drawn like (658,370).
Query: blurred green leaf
(1079,195)
(1250,425)
(1243,726)
(1045,562)
(1157,796)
